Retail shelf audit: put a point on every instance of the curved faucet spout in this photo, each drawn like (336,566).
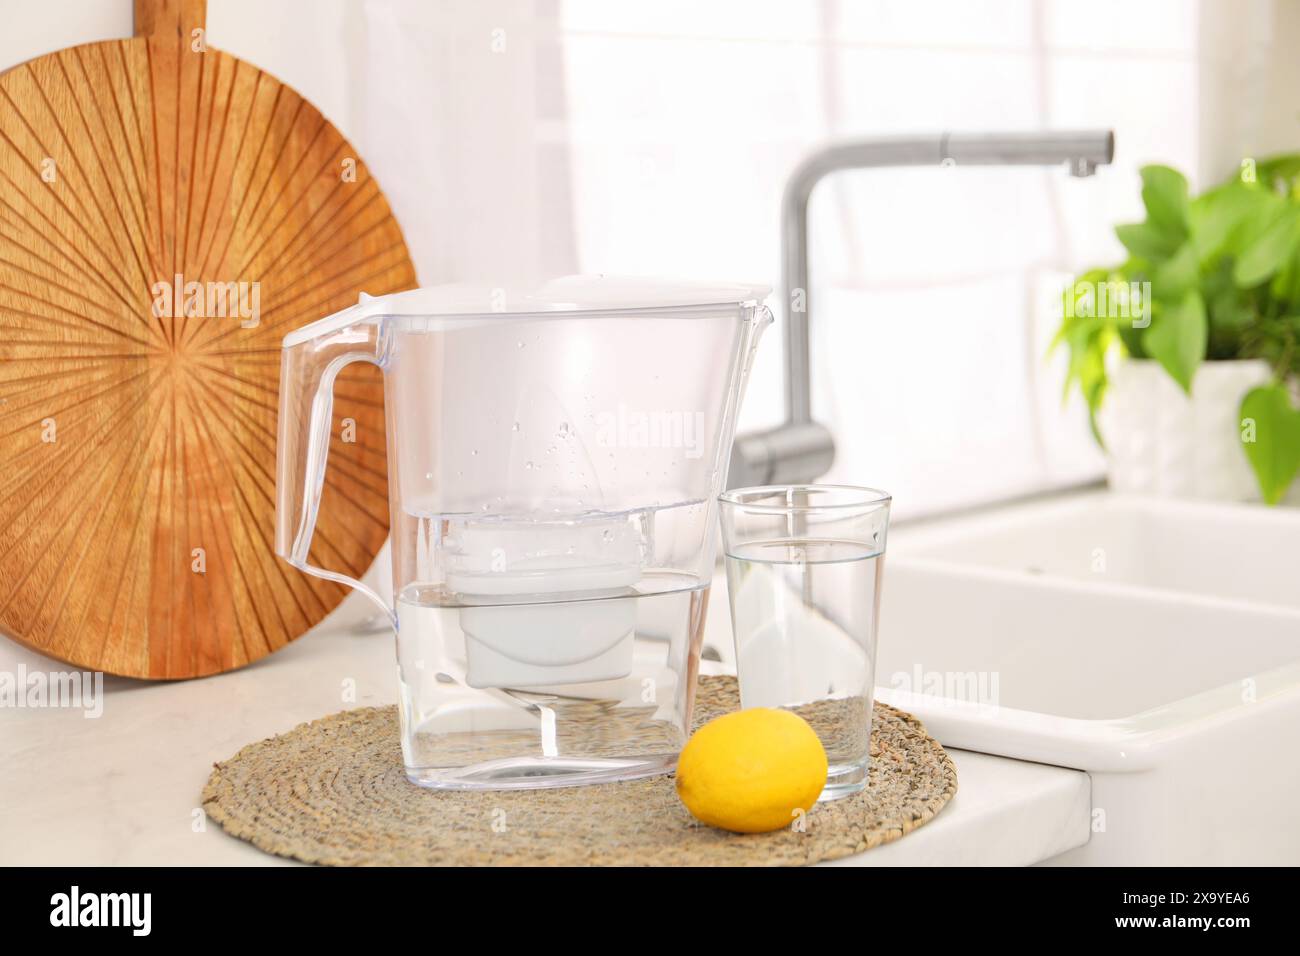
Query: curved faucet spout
(801,449)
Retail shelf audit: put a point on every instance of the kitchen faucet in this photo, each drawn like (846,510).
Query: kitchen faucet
(801,449)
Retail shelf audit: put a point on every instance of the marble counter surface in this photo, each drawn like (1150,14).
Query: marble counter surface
(123,788)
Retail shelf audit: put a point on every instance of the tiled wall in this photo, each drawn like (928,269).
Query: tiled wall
(933,289)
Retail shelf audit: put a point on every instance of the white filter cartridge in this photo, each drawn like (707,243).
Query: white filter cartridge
(550,600)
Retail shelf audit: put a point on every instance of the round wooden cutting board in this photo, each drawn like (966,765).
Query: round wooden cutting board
(138,425)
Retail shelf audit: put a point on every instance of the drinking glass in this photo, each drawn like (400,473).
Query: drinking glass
(804,568)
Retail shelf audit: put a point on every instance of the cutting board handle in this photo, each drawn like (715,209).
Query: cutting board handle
(163,18)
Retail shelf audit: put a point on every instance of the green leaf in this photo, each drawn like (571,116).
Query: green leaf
(1279,170)
(1084,338)
(1269,208)
(1146,241)
(1218,214)
(1269,251)
(1285,286)
(1088,336)
(1176,338)
(1270,435)
(1229,313)
(1227,306)
(1164,192)
(1224,274)
(1174,277)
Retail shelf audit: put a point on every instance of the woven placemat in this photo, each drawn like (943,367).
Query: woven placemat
(334,791)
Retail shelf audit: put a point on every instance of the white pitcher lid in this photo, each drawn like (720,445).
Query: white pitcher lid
(581,293)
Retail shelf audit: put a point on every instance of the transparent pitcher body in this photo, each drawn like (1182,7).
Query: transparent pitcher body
(552,472)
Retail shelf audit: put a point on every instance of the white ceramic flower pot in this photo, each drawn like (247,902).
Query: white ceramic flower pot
(1160,441)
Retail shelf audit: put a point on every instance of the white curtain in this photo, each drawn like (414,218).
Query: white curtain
(446,101)
(517,137)
(1248,82)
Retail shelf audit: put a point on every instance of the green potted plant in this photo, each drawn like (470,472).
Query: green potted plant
(1185,353)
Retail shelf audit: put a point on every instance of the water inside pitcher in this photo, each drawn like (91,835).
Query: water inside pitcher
(553,463)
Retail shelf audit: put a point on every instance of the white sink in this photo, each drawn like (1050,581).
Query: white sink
(1227,551)
(1154,644)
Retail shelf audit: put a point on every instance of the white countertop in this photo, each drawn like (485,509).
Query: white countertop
(123,788)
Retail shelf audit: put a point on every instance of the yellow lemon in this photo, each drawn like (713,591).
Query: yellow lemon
(751,770)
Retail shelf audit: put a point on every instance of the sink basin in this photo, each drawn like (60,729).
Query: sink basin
(1154,644)
(1227,551)
(1067,673)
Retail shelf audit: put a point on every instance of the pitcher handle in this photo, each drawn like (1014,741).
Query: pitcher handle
(311,359)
